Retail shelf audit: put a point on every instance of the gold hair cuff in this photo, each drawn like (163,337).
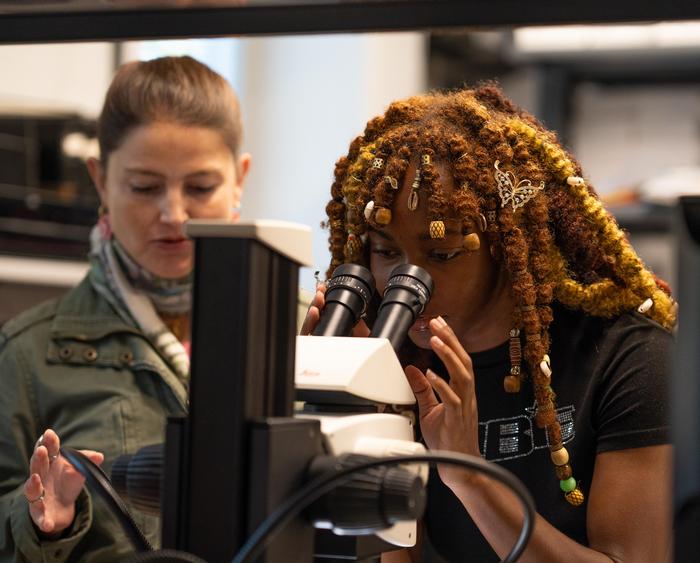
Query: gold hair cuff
(437,229)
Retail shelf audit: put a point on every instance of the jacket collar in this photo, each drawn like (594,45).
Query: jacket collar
(84,315)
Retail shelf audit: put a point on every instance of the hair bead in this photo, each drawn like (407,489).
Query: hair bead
(563,471)
(437,229)
(567,485)
(472,242)
(644,307)
(382,216)
(511,384)
(413,201)
(560,456)
(353,248)
(575,497)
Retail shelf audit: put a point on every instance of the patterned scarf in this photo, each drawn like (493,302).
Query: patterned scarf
(138,295)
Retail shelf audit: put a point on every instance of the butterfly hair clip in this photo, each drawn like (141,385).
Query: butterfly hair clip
(514,192)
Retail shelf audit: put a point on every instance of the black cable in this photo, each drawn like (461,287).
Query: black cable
(100,483)
(256,543)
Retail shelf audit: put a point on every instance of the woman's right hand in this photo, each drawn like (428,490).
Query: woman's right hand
(53,485)
(313,315)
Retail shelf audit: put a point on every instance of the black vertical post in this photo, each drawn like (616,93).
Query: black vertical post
(243,326)
(685,385)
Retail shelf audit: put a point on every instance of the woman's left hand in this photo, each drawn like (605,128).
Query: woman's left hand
(451,424)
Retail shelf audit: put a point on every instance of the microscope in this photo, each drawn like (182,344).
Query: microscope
(294,448)
(244,441)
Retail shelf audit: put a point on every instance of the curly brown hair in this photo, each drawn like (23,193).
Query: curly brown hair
(561,245)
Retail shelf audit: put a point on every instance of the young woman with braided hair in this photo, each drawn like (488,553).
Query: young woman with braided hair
(544,347)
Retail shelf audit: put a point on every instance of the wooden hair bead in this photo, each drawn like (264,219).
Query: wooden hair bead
(554,445)
(563,471)
(560,456)
(472,242)
(511,384)
(515,353)
(437,229)
(382,215)
(575,497)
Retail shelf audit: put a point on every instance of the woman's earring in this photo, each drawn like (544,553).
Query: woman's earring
(472,242)
(103,223)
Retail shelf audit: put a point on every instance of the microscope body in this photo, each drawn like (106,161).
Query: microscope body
(341,379)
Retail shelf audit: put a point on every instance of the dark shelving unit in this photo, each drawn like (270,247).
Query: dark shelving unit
(103,20)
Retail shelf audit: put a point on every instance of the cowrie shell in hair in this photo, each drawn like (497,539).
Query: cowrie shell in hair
(575,181)
(392,182)
(368,209)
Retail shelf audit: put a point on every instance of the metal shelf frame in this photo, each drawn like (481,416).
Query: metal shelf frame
(95,20)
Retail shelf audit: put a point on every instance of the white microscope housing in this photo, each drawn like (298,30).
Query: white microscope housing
(335,375)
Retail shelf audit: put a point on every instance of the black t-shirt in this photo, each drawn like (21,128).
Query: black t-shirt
(610,379)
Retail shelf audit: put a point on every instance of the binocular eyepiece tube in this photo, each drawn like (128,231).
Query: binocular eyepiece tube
(350,290)
(348,293)
(406,294)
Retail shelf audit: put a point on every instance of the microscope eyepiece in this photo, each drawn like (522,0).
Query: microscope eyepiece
(407,293)
(347,294)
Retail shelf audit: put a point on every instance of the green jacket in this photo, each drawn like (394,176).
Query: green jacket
(76,366)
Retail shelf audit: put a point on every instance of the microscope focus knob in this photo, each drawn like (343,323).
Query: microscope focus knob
(371,500)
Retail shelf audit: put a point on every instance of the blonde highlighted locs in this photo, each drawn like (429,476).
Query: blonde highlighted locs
(561,245)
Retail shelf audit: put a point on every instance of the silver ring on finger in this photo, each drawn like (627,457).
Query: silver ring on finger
(39,442)
(53,458)
(40,497)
